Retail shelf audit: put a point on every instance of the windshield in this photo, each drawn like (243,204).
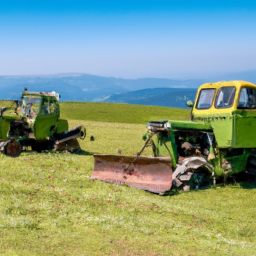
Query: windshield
(205,99)
(225,97)
(29,106)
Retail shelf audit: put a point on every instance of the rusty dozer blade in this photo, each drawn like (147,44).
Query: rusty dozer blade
(153,174)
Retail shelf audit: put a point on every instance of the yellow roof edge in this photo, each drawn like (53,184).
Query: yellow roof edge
(237,83)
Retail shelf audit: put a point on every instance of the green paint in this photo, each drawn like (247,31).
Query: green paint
(62,125)
(166,146)
(172,148)
(5,127)
(189,126)
(235,130)
(222,128)
(244,132)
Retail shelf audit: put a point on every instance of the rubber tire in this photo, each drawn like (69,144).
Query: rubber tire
(12,148)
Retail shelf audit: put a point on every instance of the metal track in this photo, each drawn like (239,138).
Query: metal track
(185,176)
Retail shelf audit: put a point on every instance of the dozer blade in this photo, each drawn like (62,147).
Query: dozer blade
(153,174)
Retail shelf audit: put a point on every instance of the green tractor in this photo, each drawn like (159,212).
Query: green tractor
(34,121)
(218,141)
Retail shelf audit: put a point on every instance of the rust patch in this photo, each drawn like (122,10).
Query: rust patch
(153,174)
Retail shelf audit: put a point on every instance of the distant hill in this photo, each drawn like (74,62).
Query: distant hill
(165,97)
(176,99)
(136,95)
(83,87)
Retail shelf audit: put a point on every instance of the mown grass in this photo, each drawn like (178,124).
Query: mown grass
(48,206)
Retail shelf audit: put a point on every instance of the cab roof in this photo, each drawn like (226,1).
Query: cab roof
(217,85)
(40,94)
(37,93)
(214,111)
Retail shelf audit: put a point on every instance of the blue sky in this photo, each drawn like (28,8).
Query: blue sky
(129,39)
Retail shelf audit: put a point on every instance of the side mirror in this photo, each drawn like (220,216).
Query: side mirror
(190,104)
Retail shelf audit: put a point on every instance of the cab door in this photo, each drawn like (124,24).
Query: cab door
(46,121)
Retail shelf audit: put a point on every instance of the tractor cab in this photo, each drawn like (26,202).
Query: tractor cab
(33,104)
(41,111)
(224,98)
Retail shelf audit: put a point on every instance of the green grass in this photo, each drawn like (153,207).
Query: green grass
(115,112)
(119,113)
(48,206)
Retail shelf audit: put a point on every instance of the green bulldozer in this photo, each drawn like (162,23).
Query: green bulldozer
(34,121)
(217,142)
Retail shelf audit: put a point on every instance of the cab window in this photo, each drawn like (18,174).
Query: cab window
(29,106)
(225,97)
(45,107)
(49,106)
(53,107)
(247,99)
(205,99)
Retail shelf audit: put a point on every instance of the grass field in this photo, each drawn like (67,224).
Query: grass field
(121,113)
(48,205)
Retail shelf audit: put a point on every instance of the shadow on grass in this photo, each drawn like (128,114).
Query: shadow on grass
(45,152)
(244,184)
(173,192)
(243,180)
(84,153)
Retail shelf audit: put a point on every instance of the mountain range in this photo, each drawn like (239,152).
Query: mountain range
(165,97)
(85,87)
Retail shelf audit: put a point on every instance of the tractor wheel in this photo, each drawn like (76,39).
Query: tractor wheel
(12,148)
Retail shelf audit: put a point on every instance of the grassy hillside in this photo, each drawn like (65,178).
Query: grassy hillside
(48,205)
(119,113)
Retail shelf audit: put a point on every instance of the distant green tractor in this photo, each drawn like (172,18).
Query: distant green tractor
(218,141)
(34,122)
